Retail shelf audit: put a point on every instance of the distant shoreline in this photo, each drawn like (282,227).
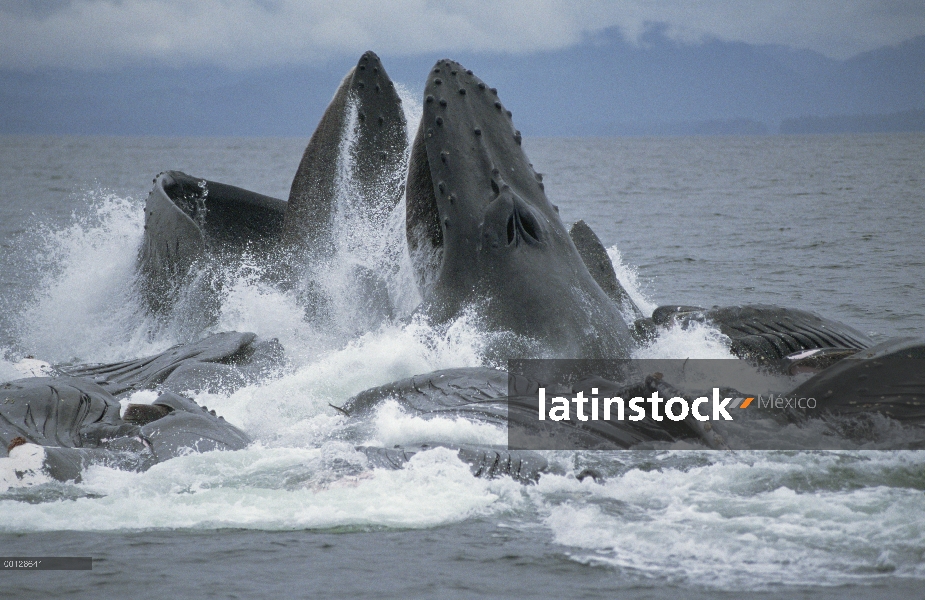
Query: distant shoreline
(894,122)
(907,120)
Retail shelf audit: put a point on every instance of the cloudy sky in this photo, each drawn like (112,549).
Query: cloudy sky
(107,34)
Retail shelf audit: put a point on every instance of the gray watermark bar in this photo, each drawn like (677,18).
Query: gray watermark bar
(47,563)
(721,404)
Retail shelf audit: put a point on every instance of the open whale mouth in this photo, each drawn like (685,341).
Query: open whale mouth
(188,194)
(189,220)
(223,214)
(347,185)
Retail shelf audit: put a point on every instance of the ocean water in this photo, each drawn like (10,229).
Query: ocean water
(831,224)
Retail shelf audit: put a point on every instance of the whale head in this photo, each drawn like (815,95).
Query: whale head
(377,149)
(483,236)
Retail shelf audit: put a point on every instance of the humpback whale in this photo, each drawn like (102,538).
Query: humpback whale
(221,362)
(77,424)
(484,237)
(887,378)
(378,141)
(762,333)
(509,399)
(75,417)
(190,221)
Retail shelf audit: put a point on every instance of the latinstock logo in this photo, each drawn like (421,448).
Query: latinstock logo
(638,404)
(677,408)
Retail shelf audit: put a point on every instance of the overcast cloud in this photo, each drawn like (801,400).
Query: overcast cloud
(104,34)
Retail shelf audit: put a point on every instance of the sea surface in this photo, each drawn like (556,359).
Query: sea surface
(832,224)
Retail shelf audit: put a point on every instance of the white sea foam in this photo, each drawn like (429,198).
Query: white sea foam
(696,340)
(22,468)
(629,279)
(269,489)
(8,370)
(83,308)
(250,304)
(295,408)
(743,523)
(395,427)
(139,397)
(728,521)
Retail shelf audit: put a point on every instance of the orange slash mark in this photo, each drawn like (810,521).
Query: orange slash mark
(746,403)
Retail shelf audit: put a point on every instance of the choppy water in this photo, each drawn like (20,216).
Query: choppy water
(831,224)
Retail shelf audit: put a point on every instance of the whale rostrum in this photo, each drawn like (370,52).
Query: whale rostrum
(483,236)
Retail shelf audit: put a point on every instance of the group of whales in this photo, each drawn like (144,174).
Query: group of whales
(482,236)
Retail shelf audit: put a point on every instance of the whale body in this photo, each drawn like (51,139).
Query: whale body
(484,240)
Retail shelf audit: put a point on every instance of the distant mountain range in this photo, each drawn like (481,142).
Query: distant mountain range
(602,87)
(907,120)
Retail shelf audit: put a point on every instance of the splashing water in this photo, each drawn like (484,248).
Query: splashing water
(630,281)
(84,308)
(722,521)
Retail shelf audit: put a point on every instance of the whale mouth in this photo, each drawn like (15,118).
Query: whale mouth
(142,414)
(223,214)
(188,194)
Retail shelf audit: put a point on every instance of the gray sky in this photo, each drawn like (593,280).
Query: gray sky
(105,34)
